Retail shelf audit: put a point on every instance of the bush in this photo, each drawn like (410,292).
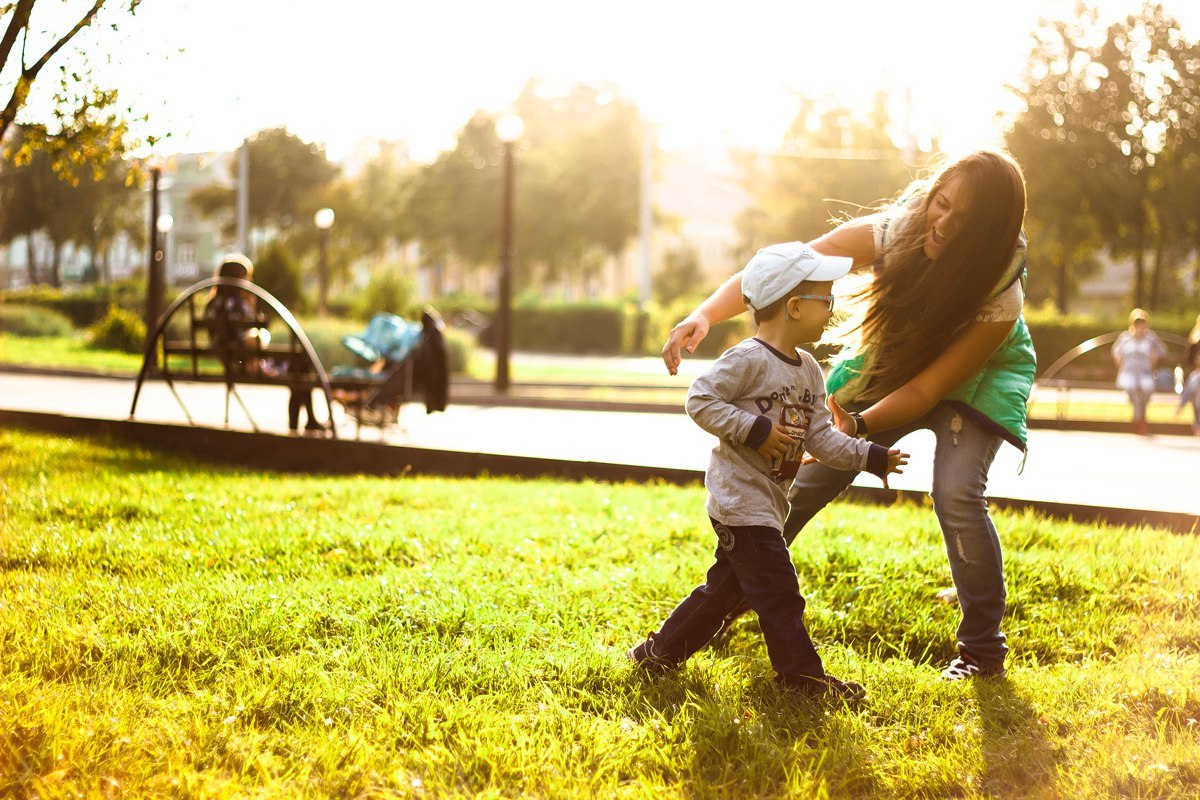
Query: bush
(119,330)
(389,290)
(277,272)
(458,349)
(23,320)
(82,306)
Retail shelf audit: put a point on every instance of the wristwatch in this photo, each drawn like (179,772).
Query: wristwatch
(860,424)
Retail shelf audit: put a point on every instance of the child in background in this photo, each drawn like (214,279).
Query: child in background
(765,401)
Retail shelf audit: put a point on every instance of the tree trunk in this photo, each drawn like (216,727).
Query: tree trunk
(1156,276)
(1064,286)
(55,263)
(1139,268)
(93,260)
(31,260)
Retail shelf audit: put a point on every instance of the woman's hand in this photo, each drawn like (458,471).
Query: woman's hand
(686,335)
(841,419)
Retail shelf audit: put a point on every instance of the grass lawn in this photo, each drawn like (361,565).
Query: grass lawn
(66,352)
(184,629)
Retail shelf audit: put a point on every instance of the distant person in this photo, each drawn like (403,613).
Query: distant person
(1191,386)
(1137,352)
(765,402)
(233,318)
(942,346)
(234,326)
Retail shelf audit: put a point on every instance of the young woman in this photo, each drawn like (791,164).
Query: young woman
(942,346)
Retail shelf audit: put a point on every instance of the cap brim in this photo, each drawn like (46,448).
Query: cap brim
(831,268)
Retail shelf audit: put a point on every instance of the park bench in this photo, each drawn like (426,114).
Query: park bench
(1058,377)
(182,347)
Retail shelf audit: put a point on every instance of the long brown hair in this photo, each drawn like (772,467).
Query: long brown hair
(916,305)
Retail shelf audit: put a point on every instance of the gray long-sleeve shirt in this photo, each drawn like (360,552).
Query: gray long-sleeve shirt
(745,390)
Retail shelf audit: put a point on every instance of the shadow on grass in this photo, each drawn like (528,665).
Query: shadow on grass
(1018,759)
(748,738)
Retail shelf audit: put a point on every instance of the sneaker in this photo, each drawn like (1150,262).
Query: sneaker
(965,667)
(645,657)
(825,688)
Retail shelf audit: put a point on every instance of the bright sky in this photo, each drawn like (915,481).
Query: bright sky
(214,71)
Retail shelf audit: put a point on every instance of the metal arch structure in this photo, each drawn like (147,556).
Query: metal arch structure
(263,295)
(1063,388)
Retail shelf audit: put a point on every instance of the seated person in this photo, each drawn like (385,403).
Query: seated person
(232,317)
(234,325)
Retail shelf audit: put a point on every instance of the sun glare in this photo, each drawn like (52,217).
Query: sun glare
(211,73)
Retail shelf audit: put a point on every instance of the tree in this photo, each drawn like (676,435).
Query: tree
(1115,111)
(88,210)
(832,164)
(577,171)
(81,108)
(286,181)
(678,276)
(1060,222)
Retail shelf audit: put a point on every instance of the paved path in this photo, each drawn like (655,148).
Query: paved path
(1101,469)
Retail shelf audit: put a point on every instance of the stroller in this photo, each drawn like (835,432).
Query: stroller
(407,359)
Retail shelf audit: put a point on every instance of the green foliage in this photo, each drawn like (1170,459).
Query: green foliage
(33,321)
(325,334)
(287,178)
(89,127)
(678,276)
(220,632)
(802,191)
(459,347)
(277,271)
(119,330)
(75,189)
(82,305)
(576,188)
(1110,141)
(390,290)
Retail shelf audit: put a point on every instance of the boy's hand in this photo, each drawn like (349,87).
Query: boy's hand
(777,442)
(896,460)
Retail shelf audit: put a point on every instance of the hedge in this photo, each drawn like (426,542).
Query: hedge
(33,321)
(84,307)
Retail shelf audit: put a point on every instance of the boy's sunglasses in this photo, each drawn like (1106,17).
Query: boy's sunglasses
(828,298)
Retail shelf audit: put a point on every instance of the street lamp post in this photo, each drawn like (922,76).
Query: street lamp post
(508,130)
(154,274)
(163,225)
(323,219)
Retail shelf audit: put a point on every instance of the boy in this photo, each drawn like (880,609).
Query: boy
(766,404)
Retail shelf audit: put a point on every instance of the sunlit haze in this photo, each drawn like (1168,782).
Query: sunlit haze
(211,72)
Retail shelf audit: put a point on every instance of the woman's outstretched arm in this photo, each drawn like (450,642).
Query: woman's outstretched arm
(854,238)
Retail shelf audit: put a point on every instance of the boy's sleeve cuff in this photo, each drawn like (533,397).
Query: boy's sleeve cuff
(877,460)
(761,429)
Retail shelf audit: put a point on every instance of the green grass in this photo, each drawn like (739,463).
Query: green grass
(66,352)
(184,629)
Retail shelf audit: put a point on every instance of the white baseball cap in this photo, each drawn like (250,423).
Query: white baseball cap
(776,270)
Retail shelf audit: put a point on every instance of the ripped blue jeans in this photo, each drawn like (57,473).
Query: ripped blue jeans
(962,457)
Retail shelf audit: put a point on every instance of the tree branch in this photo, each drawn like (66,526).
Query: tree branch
(28,74)
(86,20)
(19,21)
